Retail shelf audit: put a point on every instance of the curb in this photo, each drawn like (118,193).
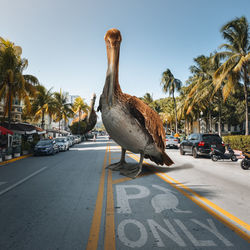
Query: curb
(15,159)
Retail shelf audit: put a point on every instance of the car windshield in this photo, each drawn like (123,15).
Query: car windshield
(43,143)
(170,137)
(212,138)
(60,140)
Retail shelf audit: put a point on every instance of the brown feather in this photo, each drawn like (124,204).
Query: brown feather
(149,120)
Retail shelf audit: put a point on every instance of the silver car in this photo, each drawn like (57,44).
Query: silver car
(171,141)
(62,143)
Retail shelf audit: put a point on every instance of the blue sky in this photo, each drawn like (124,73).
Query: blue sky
(63,39)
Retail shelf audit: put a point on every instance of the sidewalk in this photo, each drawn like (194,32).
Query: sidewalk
(14,159)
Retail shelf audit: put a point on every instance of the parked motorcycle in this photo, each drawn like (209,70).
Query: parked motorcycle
(216,154)
(245,163)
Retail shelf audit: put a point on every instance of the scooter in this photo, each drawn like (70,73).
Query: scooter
(216,154)
(245,163)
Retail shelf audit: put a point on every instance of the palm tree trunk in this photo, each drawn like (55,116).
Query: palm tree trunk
(210,119)
(42,125)
(9,105)
(166,127)
(219,127)
(78,129)
(185,126)
(246,97)
(176,123)
(199,124)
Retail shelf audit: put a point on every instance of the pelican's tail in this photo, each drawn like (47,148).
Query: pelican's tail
(161,159)
(166,159)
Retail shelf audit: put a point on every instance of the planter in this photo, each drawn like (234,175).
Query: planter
(16,154)
(8,157)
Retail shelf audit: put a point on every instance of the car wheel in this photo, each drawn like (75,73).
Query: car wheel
(234,158)
(182,152)
(53,152)
(244,164)
(194,153)
(214,158)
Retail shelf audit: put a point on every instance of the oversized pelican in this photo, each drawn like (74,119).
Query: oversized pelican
(129,121)
(92,117)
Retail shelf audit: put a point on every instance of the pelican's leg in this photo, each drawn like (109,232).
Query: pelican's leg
(136,170)
(118,165)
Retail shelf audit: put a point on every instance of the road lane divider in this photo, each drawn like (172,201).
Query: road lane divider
(96,221)
(109,239)
(21,181)
(231,221)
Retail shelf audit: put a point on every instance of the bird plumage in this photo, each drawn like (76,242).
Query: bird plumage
(129,121)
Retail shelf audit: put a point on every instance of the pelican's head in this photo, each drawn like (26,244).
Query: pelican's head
(113,38)
(93,96)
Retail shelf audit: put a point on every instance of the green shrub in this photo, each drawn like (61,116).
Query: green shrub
(240,142)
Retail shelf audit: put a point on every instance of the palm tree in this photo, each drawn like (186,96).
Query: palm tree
(147,98)
(237,56)
(43,104)
(78,107)
(63,109)
(171,85)
(13,83)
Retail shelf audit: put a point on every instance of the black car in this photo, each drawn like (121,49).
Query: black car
(200,144)
(46,147)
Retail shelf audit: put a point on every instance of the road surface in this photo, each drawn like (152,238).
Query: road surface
(70,201)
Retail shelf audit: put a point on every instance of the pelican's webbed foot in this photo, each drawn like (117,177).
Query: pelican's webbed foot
(133,170)
(118,165)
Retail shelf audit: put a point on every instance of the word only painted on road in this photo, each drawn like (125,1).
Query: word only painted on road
(174,229)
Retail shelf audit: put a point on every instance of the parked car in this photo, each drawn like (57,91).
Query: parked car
(89,135)
(171,141)
(69,141)
(46,147)
(200,144)
(72,138)
(62,143)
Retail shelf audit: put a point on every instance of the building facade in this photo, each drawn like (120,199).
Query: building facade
(16,111)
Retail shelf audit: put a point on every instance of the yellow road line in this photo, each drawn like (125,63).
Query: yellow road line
(109,240)
(96,221)
(14,159)
(121,180)
(207,205)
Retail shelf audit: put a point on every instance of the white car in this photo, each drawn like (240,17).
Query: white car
(62,143)
(69,141)
(171,141)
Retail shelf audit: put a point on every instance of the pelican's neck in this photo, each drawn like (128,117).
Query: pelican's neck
(92,104)
(112,83)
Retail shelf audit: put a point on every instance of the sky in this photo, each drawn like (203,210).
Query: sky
(63,40)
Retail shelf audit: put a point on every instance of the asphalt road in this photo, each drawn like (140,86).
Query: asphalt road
(70,201)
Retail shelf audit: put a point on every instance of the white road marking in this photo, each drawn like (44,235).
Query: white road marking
(123,197)
(131,243)
(21,181)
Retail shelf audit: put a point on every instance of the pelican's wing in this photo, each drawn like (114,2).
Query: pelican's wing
(149,119)
(152,122)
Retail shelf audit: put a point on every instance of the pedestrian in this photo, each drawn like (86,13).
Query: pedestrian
(94,138)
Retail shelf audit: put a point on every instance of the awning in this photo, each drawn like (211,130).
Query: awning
(5,131)
(25,128)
